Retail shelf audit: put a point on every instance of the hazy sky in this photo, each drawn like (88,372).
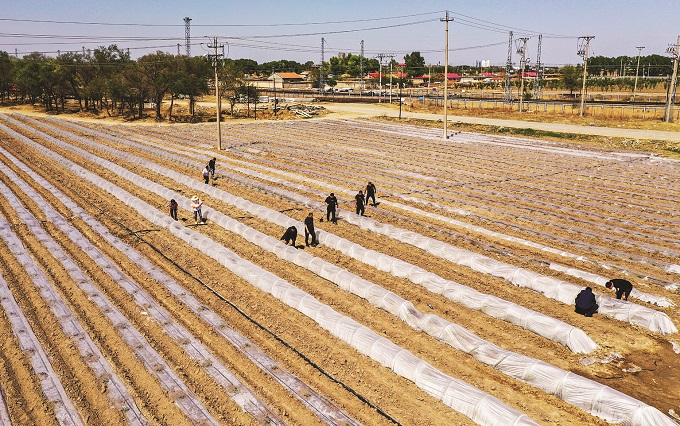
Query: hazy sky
(272,30)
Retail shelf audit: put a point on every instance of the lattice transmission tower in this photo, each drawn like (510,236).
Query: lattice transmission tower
(539,70)
(187,35)
(508,71)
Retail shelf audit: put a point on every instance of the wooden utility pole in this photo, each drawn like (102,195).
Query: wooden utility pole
(446,76)
(218,104)
(674,51)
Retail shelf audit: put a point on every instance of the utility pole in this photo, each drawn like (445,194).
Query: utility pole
(380,57)
(187,36)
(584,50)
(674,51)
(522,50)
(275,100)
(218,102)
(539,70)
(446,75)
(391,73)
(323,40)
(637,70)
(508,71)
(361,67)
(178,49)
(400,85)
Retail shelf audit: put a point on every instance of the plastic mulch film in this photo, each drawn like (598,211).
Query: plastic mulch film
(467,341)
(479,406)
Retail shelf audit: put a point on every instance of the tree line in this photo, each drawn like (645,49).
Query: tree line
(107,79)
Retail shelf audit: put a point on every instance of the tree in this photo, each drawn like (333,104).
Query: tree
(192,80)
(7,70)
(415,64)
(160,70)
(27,77)
(571,77)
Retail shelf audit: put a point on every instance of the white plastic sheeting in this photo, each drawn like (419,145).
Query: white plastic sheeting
(552,379)
(290,151)
(650,298)
(64,409)
(475,404)
(546,326)
(661,301)
(239,392)
(4,413)
(551,328)
(550,287)
(243,397)
(188,403)
(116,390)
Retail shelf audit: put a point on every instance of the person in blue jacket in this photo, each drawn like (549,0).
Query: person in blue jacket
(585,303)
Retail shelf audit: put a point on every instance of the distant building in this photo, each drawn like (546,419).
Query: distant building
(286,77)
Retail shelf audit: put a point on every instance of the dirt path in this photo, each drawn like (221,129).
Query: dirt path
(347,110)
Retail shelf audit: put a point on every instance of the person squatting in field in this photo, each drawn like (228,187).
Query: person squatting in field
(585,303)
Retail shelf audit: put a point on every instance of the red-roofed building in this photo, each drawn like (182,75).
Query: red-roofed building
(453,76)
(420,79)
(286,77)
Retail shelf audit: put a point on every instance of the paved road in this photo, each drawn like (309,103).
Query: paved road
(367,110)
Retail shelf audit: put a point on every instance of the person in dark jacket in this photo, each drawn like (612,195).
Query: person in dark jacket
(309,230)
(211,165)
(623,287)
(331,205)
(359,203)
(173,209)
(290,235)
(370,193)
(585,302)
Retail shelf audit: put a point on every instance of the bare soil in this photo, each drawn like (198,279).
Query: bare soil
(329,151)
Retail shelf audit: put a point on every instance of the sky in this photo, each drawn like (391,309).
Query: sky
(272,30)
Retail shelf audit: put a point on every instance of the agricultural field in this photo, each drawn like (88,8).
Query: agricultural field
(450,302)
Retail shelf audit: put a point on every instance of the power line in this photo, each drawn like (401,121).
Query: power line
(114,24)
